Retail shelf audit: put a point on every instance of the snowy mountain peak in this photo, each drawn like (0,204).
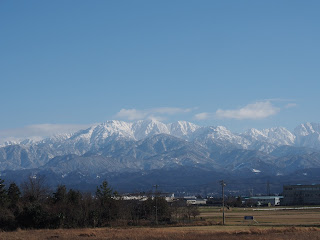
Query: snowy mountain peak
(307,129)
(268,139)
(308,135)
(145,128)
(305,135)
(253,131)
(254,135)
(279,136)
(182,129)
(150,143)
(220,131)
(112,128)
(10,142)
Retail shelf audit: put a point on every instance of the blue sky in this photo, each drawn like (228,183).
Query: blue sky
(240,64)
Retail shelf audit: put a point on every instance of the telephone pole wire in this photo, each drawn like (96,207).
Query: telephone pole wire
(223,184)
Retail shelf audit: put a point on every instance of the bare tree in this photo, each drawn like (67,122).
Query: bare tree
(34,189)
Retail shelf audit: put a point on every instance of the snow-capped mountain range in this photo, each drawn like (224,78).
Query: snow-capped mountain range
(305,134)
(266,140)
(118,147)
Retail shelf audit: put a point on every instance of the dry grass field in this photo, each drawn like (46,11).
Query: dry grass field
(195,233)
(275,225)
(304,217)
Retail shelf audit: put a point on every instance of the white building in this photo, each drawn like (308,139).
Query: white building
(193,200)
(265,200)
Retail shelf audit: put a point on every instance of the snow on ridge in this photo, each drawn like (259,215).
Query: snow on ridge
(12,142)
(307,134)
(182,129)
(307,129)
(114,127)
(280,135)
(145,128)
(276,136)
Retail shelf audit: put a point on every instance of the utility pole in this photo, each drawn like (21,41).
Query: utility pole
(223,184)
(251,192)
(155,196)
(268,188)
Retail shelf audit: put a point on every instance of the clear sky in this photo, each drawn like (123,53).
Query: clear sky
(240,64)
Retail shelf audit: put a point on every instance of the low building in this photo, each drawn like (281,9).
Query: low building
(265,200)
(193,200)
(140,197)
(301,195)
(134,197)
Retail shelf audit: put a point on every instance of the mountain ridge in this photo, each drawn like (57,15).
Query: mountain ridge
(118,147)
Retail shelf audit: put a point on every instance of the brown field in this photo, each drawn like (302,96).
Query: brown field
(275,225)
(245,233)
(305,217)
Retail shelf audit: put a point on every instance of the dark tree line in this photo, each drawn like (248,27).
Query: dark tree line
(32,205)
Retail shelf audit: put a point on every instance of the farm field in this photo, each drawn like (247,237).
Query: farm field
(281,224)
(194,233)
(264,216)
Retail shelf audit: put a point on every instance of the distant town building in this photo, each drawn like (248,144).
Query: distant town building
(134,197)
(301,195)
(193,200)
(169,197)
(265,200)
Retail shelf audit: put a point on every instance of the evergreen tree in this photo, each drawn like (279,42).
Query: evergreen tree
(13,194)
(73,214)
(60,196)
(3,195)
(60,207)
(104,192)
(108,208)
